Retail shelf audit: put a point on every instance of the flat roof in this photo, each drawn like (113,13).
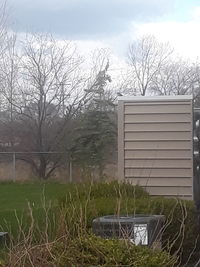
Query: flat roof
(155,98)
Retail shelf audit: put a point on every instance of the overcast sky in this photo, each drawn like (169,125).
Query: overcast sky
(112,23)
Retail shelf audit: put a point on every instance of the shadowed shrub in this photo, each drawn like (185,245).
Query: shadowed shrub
(180,233)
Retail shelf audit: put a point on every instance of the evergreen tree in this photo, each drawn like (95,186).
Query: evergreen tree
(96,142)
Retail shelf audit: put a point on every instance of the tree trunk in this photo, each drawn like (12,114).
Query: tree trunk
(42,167)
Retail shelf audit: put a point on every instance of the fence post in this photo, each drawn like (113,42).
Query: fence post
(14,166)
(70,170)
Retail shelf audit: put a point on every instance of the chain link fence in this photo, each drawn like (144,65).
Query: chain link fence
(17,165)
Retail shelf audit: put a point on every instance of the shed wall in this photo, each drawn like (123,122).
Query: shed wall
(155,144)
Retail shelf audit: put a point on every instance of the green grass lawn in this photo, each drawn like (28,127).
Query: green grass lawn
(14,198)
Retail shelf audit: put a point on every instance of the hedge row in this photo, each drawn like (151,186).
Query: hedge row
(95,251)
(87,250)
(180,235)
(68,240)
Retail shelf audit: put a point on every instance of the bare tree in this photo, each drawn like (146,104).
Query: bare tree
(8,74)
(9,82)
(51,90)
(49,94)
(146,57)
(178,77)
(5,42)
(196,85)
(3,25)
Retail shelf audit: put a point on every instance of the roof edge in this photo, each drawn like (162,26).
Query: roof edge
(154,98)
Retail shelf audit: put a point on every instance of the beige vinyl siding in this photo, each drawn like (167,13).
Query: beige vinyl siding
(155,181)
(155,144)
(156,108)
(158,118)
(157,126)
(178,191)
(172,154)
(155,172)
(158,163)
(157,135)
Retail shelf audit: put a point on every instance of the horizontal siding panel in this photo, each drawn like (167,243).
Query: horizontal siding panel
(159,144)
(157,103)
(185,126)
(159,153)
(160,181)
(160,108)
(167,190)
(136,173)
(157,163)
(158,135)
(157,118)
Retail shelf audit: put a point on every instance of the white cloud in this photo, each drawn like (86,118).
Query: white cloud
(85,18)
(183,36)
(196,13)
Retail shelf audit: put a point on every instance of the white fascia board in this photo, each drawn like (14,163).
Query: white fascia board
(155,98)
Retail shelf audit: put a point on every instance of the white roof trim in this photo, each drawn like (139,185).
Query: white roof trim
(155,98)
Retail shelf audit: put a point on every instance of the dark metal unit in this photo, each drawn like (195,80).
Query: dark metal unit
(139,228)
(4,238)
(196,162)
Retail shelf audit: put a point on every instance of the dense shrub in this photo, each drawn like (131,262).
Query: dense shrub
(88,250)
(180,233)
(103,190)
(94,251)
(61,236)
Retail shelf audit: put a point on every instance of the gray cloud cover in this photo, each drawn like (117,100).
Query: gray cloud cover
(85,18)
